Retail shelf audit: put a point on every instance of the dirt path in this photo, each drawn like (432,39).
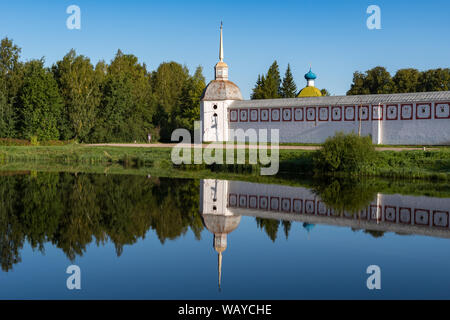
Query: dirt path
(238,146)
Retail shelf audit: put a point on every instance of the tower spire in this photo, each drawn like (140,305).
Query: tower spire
(220,268)
(221,43)
(221,67)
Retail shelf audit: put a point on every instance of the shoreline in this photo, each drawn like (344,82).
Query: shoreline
(413,163)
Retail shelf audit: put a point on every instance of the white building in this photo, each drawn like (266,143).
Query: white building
(421,118)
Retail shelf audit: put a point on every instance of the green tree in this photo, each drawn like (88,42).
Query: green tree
(434,80)
(288,87)
(168,82)
(358,86)
(272,82)
(406,80)
(188,108)
(11,77)
(40,103)
(7,117)
(378,80)
(268,86)
(79,84)
(257,92)
(11,69)
(324,92)
(125,112)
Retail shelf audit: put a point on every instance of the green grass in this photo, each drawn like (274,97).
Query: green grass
(412,164)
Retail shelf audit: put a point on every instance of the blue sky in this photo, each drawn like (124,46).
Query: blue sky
(330,35)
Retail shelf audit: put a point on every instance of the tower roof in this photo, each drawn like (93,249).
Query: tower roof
(221,88)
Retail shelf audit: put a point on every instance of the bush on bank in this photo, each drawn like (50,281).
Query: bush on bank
(346,153)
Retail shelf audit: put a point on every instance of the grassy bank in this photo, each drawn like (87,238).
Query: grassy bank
(414,164)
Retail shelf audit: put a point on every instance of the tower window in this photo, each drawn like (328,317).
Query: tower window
(215,114)
(215,107)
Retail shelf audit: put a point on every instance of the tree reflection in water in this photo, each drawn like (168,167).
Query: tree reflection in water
(70,211)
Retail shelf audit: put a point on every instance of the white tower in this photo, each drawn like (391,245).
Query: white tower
(216,98)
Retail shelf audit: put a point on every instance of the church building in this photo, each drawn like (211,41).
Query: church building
(421,118)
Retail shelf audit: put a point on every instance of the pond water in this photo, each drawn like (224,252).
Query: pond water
(137,237)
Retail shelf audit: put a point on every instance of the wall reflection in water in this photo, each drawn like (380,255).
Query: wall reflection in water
(222,203)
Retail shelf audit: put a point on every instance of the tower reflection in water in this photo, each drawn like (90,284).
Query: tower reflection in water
(222,203)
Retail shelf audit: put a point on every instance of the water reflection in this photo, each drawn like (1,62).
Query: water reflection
(383,213)
(70,211)
(224,202)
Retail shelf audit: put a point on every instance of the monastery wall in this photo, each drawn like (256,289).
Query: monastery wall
(424,123)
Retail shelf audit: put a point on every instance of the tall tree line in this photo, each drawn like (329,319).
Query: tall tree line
(378,80)
(374,81)
(75,99)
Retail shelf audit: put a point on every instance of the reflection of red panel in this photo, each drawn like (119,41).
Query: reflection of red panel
(287,111)
(403,213)
(392,112)
(322,112)
(442,110)
(442,219)
(263,202)
(255,112)
(283,201)
(347,114)
(271,114)
(310,114)
(297,205)
(419,112)
(310,206)
(299,116)
(380,208)
(255,200)
(363,113)
(403,113)
(232,196)
(234,115)
(242,204)
(390,213)
(321,204)
(376,115)
(422,217)
(272,199)
(336,110)
(264,115)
